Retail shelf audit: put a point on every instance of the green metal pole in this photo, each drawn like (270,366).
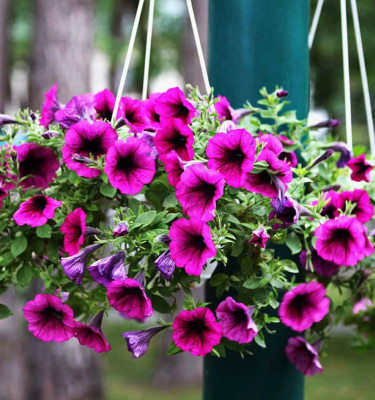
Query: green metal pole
(256,43)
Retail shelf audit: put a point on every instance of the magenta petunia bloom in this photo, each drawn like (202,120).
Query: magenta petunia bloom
(87,139)
(49,107)
(272,180)
(74,228)
(174,135)
(108,269)
(226,112)
(321,267)
(128,295)
(287,211)
(196,331)
(281,93)
(232,154)
(289,157)
(361,168)
(104,103)
(153,117)
(362,305)
(138,341)
(38,163)
(330,209)
(235,320)
(49,319)
(363,210)
(198,190)
(92,335)
(79,108)
(133,112)
(165,265)
(74,266)
(173,104)
(173,167)
(343,241)
(304,355)
(304,305)
(36,211)
(260,237)
(129,165)
(271,143)
(121,229)
(191,245)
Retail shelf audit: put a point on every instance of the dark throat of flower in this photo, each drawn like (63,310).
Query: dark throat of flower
(40,203)
(52,313)
(93,146)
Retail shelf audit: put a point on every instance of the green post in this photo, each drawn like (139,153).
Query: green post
(256,43)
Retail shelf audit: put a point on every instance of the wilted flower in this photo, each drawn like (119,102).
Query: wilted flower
(138,341)
(329,123)
(345,156)
(7,120)
(108,269)
(165,265)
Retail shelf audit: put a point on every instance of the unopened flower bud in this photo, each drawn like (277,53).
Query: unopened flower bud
(121,229)
(50,134)
(281,93)
(329,123)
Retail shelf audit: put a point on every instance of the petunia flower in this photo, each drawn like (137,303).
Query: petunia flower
(271,143)
(196,331)
(235,320)
(121,229)
(329,123)
(49,319)
(79,108)
(343,241)
(287,211)
(73,229)
(226,112)
(321,266)
(165,265)
(74,266)
(132,110)
(104,103)
(173,104)
(362,305)
(87,139)
(174,167)
(191,245)
(37,163)
(92,335)
(363,209)
(128,295)
(108,269)
(289,157)
(153,118)
(304,355)
(138,341)
(304,305)
(198,190)
(129,165)
(345,153)
(268,181)
(36,211)
(361,168)
(232,154)
(281,93)
(50,106)
(174,135)
(260,237)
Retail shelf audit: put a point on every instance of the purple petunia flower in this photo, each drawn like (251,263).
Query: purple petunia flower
(343,149)
(132,110)
(104,103)
(87,139)
(191,245)
(38,163)
(289,157)
(236,322)
(268,182)
(152,116)
(287,211)
(198,190)
(108,269)
(260,237)
(232,154)
(49,319)
(36,211)
(196,331)
(304,355)
(128,295)
(174,167)
(304,305)
(92,335)
(361,168)
(74,266)
(321,266)
(329,123)
(129,165)
(74,228)
(173,104)
(343,241)
(271,143)
(362,305)
(138,341)
(50,106)
(363,210)
(165,265)
(174,135)
(121,229)
(226,112)
(281,93)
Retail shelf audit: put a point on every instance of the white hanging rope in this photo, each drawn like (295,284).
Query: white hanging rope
(345,57)
(148,49)
(315,22)
(127,59)
(198,46)
(362,66)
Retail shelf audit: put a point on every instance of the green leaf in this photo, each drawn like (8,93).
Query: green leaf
(173,349)
(108,190)
(4,311)
(44,231)
(290,266)
(260,341)
(218,279)
(254,283)
(170,201)
(293,242)
(18,246)
(146,218)
(159,304)
(24,275)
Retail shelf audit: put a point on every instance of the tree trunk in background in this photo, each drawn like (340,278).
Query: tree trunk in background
(62,50)
(4,8)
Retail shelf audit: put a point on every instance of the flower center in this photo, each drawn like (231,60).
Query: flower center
(125,164)
(93,146)
(197,326)
(52,313)
(342,236)
(40,203)
(198,242)
(30,166)
(299,304)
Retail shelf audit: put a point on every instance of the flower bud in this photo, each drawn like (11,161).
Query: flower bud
(121,229)
(281,93)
